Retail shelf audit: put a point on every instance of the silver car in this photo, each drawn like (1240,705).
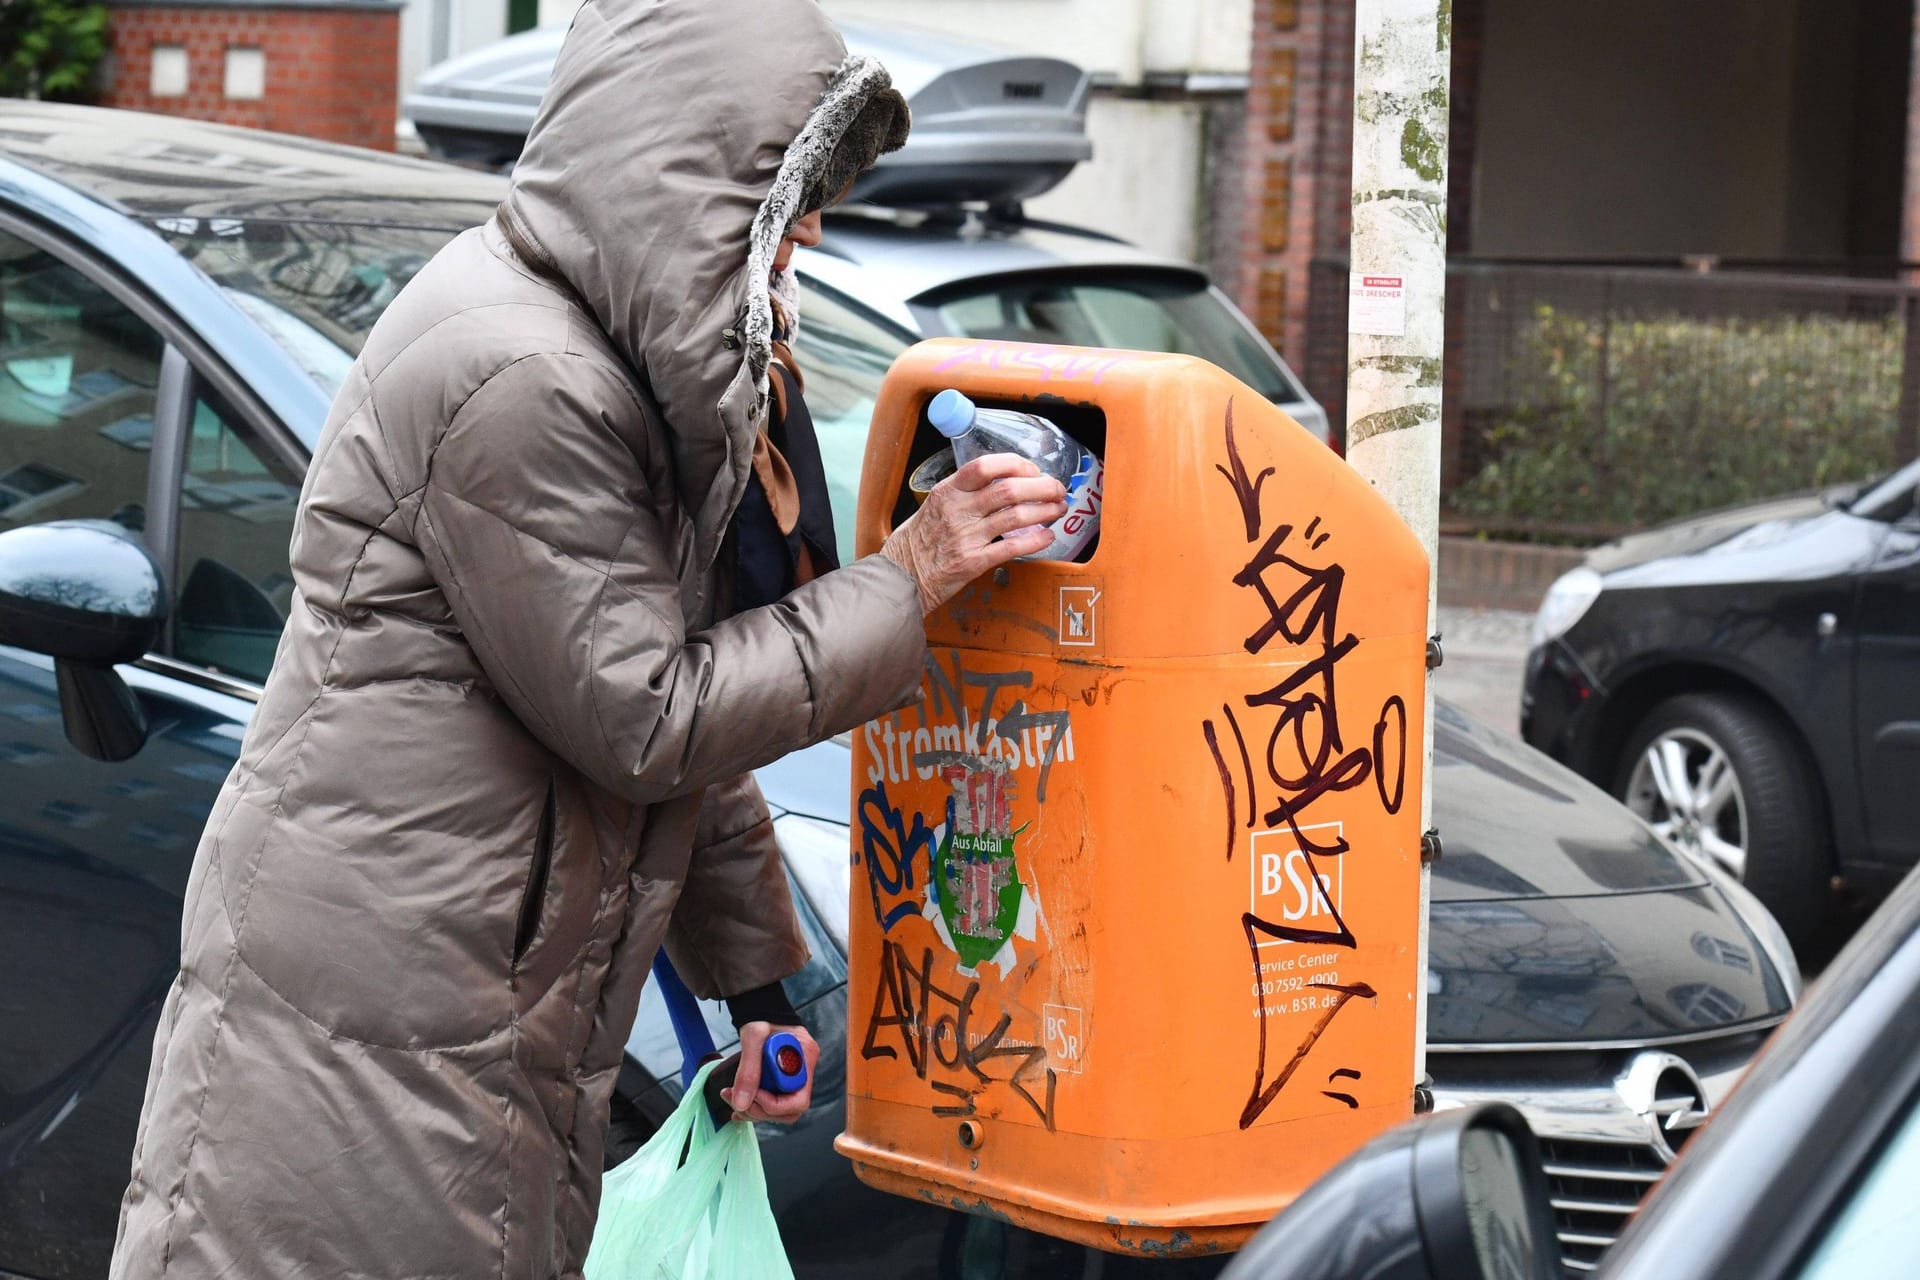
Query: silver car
(989,124)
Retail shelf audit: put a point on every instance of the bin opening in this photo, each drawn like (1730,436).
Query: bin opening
(1084,422)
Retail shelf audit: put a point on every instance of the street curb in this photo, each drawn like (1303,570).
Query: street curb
(1479,574)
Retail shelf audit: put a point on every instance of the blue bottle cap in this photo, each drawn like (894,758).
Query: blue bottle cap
(951,414)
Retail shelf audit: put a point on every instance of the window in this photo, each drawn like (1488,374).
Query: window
(77,378)
(1890,499)
(1138,310)
(168,75)
(237,505)
(1876,1232)
(317,287)
(843,355)
(246,69)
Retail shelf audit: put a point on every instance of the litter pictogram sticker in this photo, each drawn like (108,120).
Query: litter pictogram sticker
(1079,620)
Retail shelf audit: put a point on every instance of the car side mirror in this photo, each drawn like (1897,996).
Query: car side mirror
(87,595)
(1461,1195)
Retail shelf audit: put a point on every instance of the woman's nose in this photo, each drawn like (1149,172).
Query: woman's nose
(806,232)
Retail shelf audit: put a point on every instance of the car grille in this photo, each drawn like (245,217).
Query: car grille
(1595,1187)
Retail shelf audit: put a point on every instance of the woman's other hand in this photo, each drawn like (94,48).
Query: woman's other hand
(751,1102)
(990,511)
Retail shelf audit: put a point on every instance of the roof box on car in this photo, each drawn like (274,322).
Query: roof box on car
(988,125)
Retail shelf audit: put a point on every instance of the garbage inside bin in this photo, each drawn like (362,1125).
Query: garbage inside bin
(1133,954)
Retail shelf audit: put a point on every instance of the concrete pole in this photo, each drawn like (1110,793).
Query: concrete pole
(1397,307)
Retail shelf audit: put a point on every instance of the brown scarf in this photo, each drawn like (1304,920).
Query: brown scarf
(775,476)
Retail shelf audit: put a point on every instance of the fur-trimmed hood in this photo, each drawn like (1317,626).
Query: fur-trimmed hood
(678,142)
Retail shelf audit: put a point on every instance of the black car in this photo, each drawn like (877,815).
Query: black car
(178,302)
(1749,683)
(1810,1173)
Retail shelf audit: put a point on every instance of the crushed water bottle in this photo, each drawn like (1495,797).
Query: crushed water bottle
(976,432)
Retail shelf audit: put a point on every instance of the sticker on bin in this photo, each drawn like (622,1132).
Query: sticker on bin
(1066,1036)
(1290,886)
(1079,621)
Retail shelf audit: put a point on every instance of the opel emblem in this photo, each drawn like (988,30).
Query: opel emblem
(1665,1091)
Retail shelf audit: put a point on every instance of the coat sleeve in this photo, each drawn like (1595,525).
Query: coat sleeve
(536,521)
(733,928)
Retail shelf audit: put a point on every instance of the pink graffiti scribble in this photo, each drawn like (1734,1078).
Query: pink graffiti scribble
(1049,363)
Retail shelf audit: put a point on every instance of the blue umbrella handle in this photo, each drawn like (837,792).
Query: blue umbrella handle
(783,1069)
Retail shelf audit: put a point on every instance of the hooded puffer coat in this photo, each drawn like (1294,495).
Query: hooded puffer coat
(499,758)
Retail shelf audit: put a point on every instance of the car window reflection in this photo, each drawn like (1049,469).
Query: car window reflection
(314,287)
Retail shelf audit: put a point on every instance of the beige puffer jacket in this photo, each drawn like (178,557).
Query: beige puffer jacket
(470,806)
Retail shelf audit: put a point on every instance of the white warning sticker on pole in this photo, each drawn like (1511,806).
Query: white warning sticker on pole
(1377,305)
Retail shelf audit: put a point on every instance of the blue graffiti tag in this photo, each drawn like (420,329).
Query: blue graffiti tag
(889,848)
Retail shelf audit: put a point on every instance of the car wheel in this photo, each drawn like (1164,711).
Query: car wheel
(1719,774)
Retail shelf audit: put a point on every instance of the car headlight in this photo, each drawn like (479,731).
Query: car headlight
(1753,914)
(1772,938)
(1570,596)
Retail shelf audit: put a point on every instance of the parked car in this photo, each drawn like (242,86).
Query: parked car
(178,303)
(1808,1174)
(990,124)
(1748,681)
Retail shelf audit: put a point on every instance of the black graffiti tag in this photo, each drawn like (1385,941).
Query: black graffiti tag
(1305,757)
(934,1028)
(946,698)
(1246,490)
(1264,1091)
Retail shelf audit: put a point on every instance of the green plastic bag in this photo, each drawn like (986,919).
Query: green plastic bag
(705,1219)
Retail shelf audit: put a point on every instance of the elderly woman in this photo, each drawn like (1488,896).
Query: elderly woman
(502,756)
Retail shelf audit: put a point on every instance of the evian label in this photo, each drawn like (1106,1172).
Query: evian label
(1075,530)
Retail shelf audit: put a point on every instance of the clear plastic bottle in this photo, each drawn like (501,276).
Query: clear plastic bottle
(976,432)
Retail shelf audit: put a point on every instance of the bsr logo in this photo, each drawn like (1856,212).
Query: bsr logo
(1063,1035)
(1302,893)
(1066,1036)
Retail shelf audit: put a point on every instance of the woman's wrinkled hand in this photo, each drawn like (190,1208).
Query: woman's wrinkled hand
(992,510)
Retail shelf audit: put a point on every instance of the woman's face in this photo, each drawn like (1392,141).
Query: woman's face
(805,232)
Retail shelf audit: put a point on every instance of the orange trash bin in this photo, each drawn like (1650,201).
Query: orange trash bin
(1136,883)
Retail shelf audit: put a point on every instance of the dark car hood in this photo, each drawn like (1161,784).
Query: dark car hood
(1514,823)
(1698,533)
(1633,968)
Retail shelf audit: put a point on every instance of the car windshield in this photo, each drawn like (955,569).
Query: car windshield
(1139,310)
(1890,498)
(315,287)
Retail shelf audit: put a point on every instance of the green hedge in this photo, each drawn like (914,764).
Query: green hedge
(1697,414)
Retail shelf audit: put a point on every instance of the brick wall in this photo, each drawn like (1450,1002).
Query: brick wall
(329,73)
(1299,159)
